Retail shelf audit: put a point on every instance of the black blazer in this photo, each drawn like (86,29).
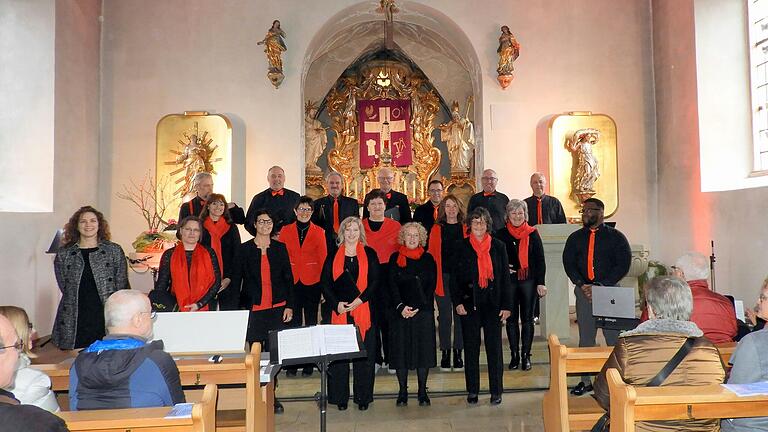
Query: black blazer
(413,285)
(230,241)
(280,207)
(245,289)
(498,294)
(537,267)
(551,210)
(344,288)
(425,215)
(323,216)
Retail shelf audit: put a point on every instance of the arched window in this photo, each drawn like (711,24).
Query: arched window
(757,11)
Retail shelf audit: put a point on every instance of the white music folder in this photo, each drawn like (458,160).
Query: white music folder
(220,332)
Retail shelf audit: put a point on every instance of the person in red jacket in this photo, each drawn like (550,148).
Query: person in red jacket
(307,251)
(713,313)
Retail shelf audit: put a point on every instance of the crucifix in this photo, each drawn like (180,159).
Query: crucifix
(388,7)
(384,127)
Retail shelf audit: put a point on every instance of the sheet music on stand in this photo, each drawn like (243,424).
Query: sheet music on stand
(316,341)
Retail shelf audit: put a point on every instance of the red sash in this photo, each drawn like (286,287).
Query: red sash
(190,285)
(435,248)
(484,264)
(523,234)
(217,230)
(383,241)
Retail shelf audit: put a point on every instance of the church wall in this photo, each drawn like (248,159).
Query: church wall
(28,279)
(688,218)
(171,56)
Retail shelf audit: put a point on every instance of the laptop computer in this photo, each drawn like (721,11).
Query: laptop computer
(614,307)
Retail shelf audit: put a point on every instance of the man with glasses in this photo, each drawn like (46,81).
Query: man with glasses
(596,254)
(426,214)
(333,208)
(13,416)
(386,179)
(276,199)
(491,199)
(124,370)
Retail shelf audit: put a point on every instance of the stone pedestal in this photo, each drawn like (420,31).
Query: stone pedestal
(554,306)
(639,266)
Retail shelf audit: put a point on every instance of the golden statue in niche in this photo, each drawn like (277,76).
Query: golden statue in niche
(459,135)
(196,156)
(586,170)
(274,46)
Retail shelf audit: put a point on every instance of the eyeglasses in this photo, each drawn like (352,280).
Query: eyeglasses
(19,345)
(264,222)
(590,210)
(152,314)
(435,190)
(489,178)
(517,213)
(304,210)
(762,297)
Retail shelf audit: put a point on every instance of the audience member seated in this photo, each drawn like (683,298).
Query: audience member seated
(641,353)
(31,386)
(123,370)
(713,313)
(749,366)
(13,415)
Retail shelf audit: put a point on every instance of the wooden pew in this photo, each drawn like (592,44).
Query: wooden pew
(630,404)
(563,412)
(146,419)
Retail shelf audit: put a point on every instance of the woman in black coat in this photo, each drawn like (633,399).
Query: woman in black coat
(412,280)
(350,279)
(482,299)
(527,271)
(220,233)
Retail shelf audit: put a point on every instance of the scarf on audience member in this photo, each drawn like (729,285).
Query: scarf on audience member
(190,285)
(521,233)
(484,265)
(404,253)
(217,230)
(362,314)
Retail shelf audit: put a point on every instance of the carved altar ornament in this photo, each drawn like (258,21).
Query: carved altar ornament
(509,51)
(459,136)
(274,46)
(586,169)
(315,139)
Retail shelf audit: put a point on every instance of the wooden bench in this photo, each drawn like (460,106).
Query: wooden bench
(146,419)
(630,404)
(562,412)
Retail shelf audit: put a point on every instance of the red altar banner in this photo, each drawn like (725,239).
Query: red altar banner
(384,123)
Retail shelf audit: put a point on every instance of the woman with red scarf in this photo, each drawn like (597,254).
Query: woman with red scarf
(412,277)
(445,241)
(381,234)
(350,280)
(190,270)
(221,234)
(527,270)
(483,300)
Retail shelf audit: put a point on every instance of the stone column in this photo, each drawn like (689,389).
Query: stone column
(554,306)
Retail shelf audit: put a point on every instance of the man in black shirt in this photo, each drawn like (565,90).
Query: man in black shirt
(426,214)
(276,199)
(202,184)
(386,179)
(493,201)
(13,416)
(543,208)
(597,254)
(333,208)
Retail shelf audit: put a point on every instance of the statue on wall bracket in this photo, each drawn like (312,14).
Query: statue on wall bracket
(274,46)
(509,51)
(583,161)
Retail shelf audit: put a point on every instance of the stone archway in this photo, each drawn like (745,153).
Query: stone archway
(428,36)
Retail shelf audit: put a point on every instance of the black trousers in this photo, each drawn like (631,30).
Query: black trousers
(306,301)
(363,372)
(485,318)
(524,297)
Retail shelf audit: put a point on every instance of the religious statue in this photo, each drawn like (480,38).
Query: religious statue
(509,51)
(274,45)
(458,135)
(195,157)
(389,8)
(315,138)
(586,169)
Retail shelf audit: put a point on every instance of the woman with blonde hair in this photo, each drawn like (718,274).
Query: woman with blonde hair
(31,386)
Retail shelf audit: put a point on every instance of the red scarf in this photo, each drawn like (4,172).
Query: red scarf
(217,230)
(362,314)
(404,253)
(383,241)
(522,233)
(190,285)
(435,248)
(484,265)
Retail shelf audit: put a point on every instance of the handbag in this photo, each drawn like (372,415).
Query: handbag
(163,301)
(604,421)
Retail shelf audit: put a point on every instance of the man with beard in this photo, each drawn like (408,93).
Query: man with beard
(596,254)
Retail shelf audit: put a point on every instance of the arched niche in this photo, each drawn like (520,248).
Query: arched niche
(431,39)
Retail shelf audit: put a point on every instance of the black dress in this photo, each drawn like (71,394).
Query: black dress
(90,311)
(412,340)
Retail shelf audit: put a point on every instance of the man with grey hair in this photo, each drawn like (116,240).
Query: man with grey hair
(124,370)
(278,200)
(386,179)
(712,312)
(640,354)
(202,184)
(543,208)
(490,198)
(13,415)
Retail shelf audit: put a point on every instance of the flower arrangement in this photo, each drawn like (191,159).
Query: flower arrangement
(150,199)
